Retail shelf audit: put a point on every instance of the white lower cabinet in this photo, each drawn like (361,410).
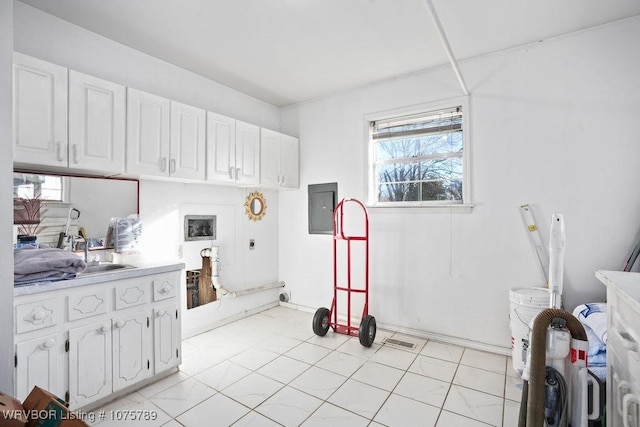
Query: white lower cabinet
(108,356)
(90,363)
(166,324)
(623,347)
(38,365)
(131,339)
(108,338)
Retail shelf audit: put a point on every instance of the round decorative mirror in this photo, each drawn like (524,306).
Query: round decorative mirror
(255,206)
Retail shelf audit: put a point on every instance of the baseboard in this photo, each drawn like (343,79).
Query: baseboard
(491,348)
(216,324)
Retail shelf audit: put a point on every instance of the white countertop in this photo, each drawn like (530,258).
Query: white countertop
(627,283)
(91,279)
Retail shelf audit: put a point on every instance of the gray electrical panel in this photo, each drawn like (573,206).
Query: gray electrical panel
(323,199)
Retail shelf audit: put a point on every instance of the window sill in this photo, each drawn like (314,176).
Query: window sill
(457,208)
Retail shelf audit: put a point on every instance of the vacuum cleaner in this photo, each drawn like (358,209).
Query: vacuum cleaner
(555,388)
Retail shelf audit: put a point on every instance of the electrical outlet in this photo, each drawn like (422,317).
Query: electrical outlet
(252,244)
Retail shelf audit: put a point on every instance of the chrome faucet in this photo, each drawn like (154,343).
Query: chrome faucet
(74,241)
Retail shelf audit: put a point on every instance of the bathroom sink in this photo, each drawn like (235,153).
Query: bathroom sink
(103,268)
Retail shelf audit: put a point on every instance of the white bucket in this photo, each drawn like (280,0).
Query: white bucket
(525,305)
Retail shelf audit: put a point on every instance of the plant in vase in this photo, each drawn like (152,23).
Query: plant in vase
(28,214)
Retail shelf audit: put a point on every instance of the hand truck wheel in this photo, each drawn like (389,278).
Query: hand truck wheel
(321,321)
(367,331)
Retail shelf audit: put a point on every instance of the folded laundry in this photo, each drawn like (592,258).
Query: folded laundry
(593,315)
(595,345)
(31,265)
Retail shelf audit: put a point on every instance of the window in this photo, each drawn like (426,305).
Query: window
(43,187)
(418,159)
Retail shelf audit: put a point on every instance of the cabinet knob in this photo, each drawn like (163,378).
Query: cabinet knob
(39,315)
(172,165)
(231,170)
(238,170)
(163,164)
(119,324)
(165,289)
(47,344)
(104,329)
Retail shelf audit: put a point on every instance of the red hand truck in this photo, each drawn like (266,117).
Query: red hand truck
(325,318)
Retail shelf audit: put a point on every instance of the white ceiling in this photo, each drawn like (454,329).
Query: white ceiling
(288,51)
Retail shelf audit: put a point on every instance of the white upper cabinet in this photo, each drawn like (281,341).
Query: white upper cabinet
(188,141)
(63,118)
(290,161)
(39,112)
(221,148)
(270,158)
(247,153)
(147,133)
(279,160)
(233,151)
(96,124)
(164,138)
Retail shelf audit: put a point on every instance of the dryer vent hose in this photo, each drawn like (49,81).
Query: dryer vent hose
(533,391)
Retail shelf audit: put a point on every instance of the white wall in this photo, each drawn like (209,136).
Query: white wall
(163,206)
(6,199)
(554,124)
(99,200)
(161,203)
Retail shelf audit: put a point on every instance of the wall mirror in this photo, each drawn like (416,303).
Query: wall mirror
(97,199)
(255,206)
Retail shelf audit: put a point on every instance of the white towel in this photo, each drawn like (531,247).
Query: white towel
(594,315)
(32,264)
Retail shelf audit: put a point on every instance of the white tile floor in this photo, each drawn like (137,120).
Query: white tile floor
(270,370)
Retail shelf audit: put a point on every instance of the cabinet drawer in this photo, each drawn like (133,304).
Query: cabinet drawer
(87,304)
(131,294)
(37,315)
(164,287)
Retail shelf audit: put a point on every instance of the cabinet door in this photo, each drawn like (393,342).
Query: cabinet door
(166,337)
(131,351)
(39,112)
(247,153)
(96,123)
(147,133)
(90,358)
(289,168)
(269,158)
(37,365)
(221,148)
(188,141)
